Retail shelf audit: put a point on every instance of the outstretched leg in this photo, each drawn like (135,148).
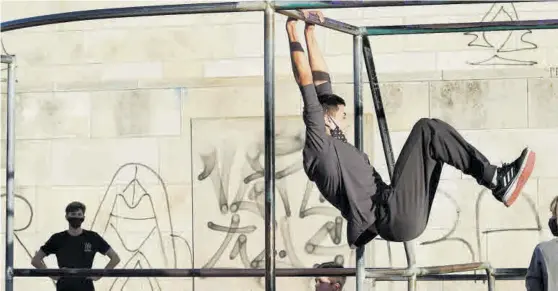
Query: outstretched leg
(431,144)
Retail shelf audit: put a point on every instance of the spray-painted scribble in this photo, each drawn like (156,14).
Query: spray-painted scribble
(136,218)
(503,44)
(234,170)
(21,228)
(482,232)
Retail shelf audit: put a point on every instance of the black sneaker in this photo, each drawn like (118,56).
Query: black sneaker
(512,177)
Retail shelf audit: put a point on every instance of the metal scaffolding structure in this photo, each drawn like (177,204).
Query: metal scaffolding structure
(361,51)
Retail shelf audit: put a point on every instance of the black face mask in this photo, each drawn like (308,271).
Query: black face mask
(553,225)
(75,222)
(337,133)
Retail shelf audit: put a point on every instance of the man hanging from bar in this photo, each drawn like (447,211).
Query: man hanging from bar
(397,212)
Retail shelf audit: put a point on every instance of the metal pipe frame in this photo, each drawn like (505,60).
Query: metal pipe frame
(385,274)
(461,27)
(279,6)
(10,174)
(361,48)
(290,5)
(138,11)
(386,142)
(269,152)
(359,140)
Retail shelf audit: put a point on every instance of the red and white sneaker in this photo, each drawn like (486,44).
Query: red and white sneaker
(512,177)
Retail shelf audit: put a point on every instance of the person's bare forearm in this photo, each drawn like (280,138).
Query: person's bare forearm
(112,264)
(317,62)
(40,264)
(301,68)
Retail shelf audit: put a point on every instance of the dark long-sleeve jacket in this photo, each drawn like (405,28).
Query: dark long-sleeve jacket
(542,274)
(341,172)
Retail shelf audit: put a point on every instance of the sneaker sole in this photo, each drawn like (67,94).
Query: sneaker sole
(524,174)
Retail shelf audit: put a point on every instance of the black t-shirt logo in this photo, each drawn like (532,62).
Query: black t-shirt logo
(87,247)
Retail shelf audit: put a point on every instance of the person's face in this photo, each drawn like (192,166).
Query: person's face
(325,284)
(75,218)
(339,118)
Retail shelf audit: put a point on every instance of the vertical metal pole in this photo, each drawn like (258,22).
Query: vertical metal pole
(359,140)
(491,279)
(411,262)
(10,155)
(386,141)
(378,105)
(269,119)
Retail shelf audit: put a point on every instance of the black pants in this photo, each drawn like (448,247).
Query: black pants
(74,284)
(403,212)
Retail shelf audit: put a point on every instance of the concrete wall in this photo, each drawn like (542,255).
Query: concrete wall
(156,124)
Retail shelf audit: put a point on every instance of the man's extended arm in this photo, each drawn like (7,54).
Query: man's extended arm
(534,280)
(301,68)
(313,113)
(318,65)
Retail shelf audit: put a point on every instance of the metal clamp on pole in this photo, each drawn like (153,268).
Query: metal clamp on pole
(491,279)
(6,59)
(9,281)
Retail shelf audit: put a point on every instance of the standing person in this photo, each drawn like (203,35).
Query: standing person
(542,274)
(75,248)
(398,212)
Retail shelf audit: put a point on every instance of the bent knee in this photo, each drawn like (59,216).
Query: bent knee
(402,230)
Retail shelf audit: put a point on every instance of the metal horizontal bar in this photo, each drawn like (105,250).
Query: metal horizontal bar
(510,272)
(6,59)
(328,22)
(291,5)
(456,277)
(461,27)
(230,272)
(420,271)
(433,270)
(309,272)
(139,11)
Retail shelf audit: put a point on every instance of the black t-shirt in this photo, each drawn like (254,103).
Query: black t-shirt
(75,251)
